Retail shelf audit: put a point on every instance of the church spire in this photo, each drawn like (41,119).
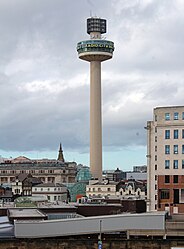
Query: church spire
(60,154)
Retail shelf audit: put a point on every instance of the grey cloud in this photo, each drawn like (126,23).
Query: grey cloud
(44,87)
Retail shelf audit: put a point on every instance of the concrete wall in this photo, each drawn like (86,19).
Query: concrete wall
(83,243)
(90,225)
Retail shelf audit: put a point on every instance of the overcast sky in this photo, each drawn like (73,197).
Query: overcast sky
(44,87)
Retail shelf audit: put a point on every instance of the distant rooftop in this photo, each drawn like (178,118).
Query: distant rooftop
(27,212)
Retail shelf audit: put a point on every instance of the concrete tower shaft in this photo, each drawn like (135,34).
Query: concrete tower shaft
(95,51)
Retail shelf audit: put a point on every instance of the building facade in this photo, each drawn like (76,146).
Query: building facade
(100,189)
(48,171)
(53,191)
(165,156)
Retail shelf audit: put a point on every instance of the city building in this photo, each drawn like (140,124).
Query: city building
(101,189)
(136,175)
(95,51)
(165,155)
(22,186)
(53,191)
(114,175)
(47,170)
(142,168)
(125,189)
(132,189)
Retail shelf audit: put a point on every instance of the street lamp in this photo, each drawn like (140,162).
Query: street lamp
(100,236)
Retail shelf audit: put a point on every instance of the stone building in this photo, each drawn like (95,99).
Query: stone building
(53,191)
(165,155)
(47,170)
(101,189)
(22,186)
(132,189)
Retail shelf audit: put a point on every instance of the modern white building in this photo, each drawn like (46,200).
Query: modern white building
(165,156)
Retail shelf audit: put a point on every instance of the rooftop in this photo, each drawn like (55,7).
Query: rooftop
(27,212)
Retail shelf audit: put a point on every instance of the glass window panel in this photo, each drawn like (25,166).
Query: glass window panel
(175,179)
(167,179)
(167,116)
(175,164)
(167,164)
(167,149)
(176,115)
(164,194)
(175,134)
(175,149)
(182,196)
(167,134)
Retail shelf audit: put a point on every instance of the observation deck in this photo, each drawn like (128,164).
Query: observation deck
(95,50)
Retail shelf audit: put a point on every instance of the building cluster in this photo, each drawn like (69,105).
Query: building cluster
(22,176)
(57,180)
(160,183)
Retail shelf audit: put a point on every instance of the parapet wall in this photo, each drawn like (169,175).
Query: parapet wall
(84,243)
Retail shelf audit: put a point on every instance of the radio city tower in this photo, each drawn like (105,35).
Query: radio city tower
(95,50)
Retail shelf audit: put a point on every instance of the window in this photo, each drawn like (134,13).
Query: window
(155,177)
(167,164)
(155,157)
(182,164)
(175,164)
(155,138)
(155,197)
(175,149)
(183,133)
(176,196)
(155,166)
(155,117)
(164,194)
(55,198)
(99,189)
(155,187)
(109,189)
(175,179)
(176,115)
(183,115)
(155,148)
(167,134)
(155,129)
(182,196)
(175,134)
(167,149)
(167,116)
(167,179)
(182,148)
